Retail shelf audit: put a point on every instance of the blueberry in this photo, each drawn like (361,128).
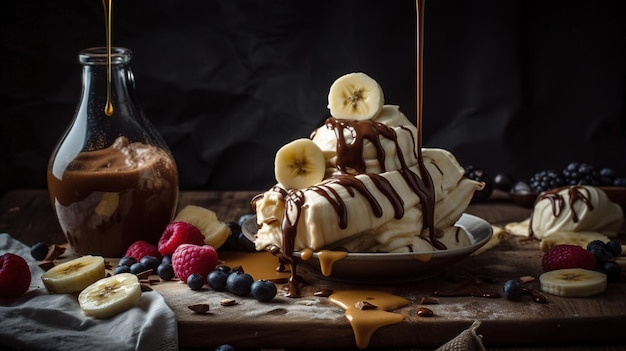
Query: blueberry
(167,259)
(263,290)
(127,261)
(138,268)
(195,281)
(598,243)
(225,347)
(619,181)
(601,253)
(216,279)
(521,187)
(239,283)
(614,247)
(503,181)
(165,271)
(121,269)
(151,262)
(39,251)
(245,244)
(512,290)
(612,270)
(607,176)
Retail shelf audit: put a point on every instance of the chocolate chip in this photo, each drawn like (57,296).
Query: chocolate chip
(424,312)
(427,300)
(228,302)
(200,308)
(364,305)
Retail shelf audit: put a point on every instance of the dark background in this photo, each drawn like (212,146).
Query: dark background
(510,86)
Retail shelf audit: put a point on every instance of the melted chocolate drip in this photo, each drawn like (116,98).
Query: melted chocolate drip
(557,202)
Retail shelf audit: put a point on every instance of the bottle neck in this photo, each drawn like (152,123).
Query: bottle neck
(107,81)
(101,87)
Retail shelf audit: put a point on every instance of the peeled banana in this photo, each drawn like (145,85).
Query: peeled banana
(355,96)
(75,275)
(215,231)
(573,282)
(572,238)
(299,164)
(109,296)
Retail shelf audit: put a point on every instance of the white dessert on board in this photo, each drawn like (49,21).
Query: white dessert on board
(369,197)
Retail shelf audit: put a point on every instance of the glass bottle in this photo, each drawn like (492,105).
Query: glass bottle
(112,179)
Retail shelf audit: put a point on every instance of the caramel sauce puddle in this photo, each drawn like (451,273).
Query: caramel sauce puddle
(365,322)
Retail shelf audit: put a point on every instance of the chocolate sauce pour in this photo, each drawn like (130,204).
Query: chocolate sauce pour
(575,192)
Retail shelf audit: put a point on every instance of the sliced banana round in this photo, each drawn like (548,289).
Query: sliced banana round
(110,296)
(75,275)
(355,96)
(299,164)
(215,231)
(573,282)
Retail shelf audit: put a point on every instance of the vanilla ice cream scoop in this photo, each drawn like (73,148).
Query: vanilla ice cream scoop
(577,208)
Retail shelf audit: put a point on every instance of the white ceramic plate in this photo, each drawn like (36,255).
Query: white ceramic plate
(386,268)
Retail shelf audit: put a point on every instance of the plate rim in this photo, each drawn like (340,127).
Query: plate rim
(464,222)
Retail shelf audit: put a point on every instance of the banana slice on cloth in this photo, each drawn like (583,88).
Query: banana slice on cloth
(75,275)
(299,164)
(573,282)
(355,96)
(215,231)
(110,296)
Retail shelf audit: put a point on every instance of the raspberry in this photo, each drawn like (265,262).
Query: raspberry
(189,259)
(568,256)
(14,275)
(178,233)
(140,248)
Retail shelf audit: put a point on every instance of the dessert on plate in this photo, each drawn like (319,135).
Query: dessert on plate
(361,184)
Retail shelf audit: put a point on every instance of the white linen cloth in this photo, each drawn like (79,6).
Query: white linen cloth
(41,321)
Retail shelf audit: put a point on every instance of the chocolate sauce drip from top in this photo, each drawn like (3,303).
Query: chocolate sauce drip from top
(293,201)
(557,202)
(427,190)
(350,154)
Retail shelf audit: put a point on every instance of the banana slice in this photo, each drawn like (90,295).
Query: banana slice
(299,164)
(355,96)
(75,275)
(215,231)
(572,238)
(573,282)
(110,296)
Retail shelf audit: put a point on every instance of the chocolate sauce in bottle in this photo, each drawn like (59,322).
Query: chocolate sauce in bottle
(112,180)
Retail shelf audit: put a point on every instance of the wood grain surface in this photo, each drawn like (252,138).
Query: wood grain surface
(312,322)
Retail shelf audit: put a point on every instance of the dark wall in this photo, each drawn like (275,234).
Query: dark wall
(513,86)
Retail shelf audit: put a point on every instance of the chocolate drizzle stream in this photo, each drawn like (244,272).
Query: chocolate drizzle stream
(575,192)
(426,192)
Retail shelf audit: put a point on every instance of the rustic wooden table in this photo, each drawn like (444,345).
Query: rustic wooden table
(595,323)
